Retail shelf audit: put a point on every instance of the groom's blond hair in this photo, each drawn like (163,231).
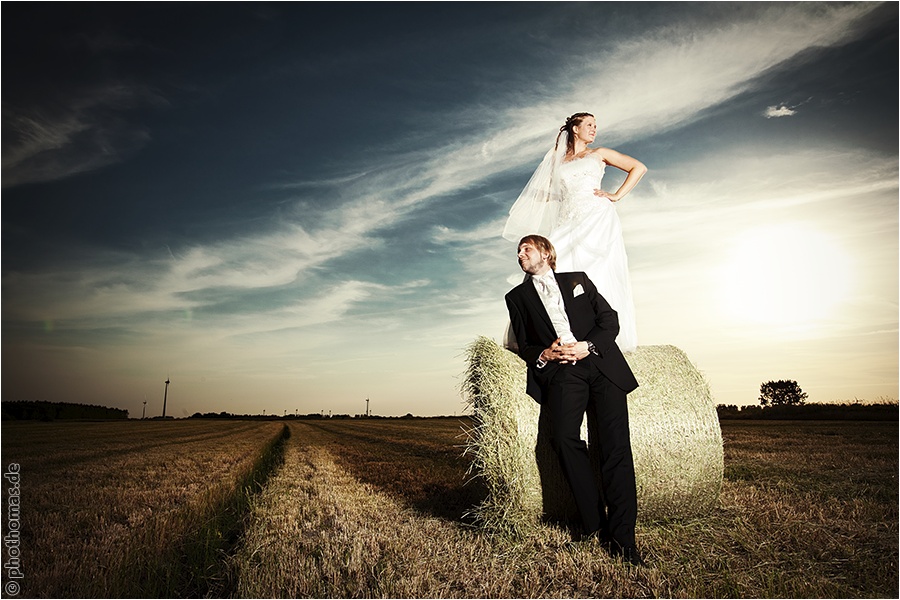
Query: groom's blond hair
(543,245)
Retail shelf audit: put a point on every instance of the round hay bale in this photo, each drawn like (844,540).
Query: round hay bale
(675,437)
(502,439)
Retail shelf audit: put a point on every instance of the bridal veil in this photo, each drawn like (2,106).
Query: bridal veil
(537,208)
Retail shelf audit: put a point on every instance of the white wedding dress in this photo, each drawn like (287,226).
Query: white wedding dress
(588,237)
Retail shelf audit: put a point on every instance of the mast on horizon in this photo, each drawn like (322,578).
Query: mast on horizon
(165,397)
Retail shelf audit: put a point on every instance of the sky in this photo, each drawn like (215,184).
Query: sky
(294,207)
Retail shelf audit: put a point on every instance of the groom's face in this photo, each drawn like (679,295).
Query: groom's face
(531,260)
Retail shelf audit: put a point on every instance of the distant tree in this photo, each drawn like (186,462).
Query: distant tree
(784,392)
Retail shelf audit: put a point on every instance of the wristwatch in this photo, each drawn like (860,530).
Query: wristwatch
(592,348)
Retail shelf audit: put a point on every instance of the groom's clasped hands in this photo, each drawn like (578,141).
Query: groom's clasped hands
(565,353)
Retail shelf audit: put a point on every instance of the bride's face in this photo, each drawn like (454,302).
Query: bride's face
(586,131)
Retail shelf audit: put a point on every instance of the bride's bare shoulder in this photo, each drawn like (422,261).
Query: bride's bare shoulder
(598,154)
(619,160)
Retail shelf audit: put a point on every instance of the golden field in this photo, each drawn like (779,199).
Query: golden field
(377,508)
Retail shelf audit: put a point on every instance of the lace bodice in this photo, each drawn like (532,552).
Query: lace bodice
(578,180)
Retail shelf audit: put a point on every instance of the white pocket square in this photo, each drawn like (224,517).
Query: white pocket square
(577,291)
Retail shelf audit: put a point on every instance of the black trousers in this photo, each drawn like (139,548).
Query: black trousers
(573,390)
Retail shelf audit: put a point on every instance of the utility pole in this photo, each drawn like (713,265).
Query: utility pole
(165,397)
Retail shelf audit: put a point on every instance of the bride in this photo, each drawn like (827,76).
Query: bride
(564,202)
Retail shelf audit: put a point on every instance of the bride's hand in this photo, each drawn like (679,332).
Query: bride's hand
(601,194)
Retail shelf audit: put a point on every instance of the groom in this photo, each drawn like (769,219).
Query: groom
(566,334)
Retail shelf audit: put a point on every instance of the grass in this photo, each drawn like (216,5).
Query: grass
(133,508)
(375,508)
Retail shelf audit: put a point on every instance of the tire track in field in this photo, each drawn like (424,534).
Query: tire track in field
(207,574)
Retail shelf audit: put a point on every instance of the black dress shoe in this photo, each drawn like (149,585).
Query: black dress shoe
(631,556)
(599,537)
(628,554)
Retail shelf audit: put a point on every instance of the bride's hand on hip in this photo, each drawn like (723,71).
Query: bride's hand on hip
(601,194)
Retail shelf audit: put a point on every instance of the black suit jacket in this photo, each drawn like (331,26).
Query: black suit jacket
(591,319)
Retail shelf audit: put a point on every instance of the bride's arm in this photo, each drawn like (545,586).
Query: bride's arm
(632,166)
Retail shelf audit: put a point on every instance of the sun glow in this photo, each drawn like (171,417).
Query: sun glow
(787,276)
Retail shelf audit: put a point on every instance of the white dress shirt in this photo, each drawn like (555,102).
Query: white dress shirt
(548,290)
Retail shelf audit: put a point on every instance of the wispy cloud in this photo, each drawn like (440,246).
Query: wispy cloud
(86,130)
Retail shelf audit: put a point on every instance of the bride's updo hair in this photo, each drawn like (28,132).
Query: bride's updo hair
(571,123)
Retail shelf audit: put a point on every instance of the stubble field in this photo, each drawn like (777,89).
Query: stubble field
(377,508)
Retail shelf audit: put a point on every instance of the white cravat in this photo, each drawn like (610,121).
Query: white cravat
(548,290)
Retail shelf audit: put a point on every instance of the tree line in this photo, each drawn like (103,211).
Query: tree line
(38,410)
(784,399)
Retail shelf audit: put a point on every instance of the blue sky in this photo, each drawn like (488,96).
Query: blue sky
(295,207)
